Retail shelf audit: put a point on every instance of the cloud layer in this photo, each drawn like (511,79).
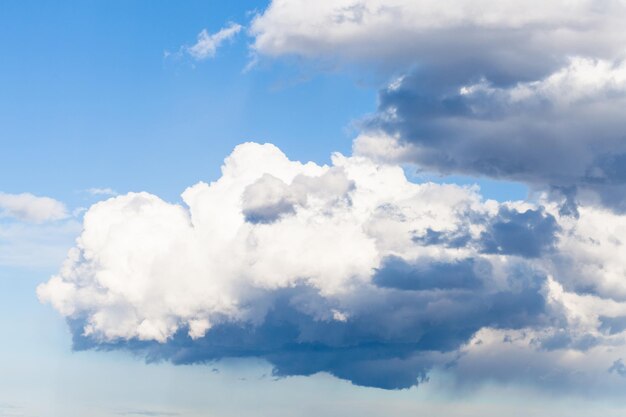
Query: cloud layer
(348,269)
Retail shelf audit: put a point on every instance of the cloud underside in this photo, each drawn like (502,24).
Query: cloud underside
(348,269)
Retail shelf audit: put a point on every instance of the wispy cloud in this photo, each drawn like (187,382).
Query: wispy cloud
(101,191)
(207,43)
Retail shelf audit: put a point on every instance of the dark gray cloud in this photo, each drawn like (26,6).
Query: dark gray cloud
(456,239)
(531,234)
(413,318)
(562,133)
(618,367)
(399,274)
(612,325)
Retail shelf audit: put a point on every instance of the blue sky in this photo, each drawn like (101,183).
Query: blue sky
(462,256)
(113,112)
(95,77)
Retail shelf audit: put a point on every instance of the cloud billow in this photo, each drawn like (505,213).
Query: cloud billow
(561,132)
(348,269)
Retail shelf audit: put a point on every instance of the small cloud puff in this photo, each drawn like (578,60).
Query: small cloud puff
(30,208)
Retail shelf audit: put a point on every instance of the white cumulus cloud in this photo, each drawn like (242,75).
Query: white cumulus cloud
(360,255)
(144,267)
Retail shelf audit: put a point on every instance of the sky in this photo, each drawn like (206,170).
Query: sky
(348,207)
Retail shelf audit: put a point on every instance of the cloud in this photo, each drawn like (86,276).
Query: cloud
(530,92)
(35,232)
(618,367)
(348,269)
(399,274)
(561,133)
(351,269)
(529,234)
(208,43)
(30,208)
(101,192)
(500,40)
